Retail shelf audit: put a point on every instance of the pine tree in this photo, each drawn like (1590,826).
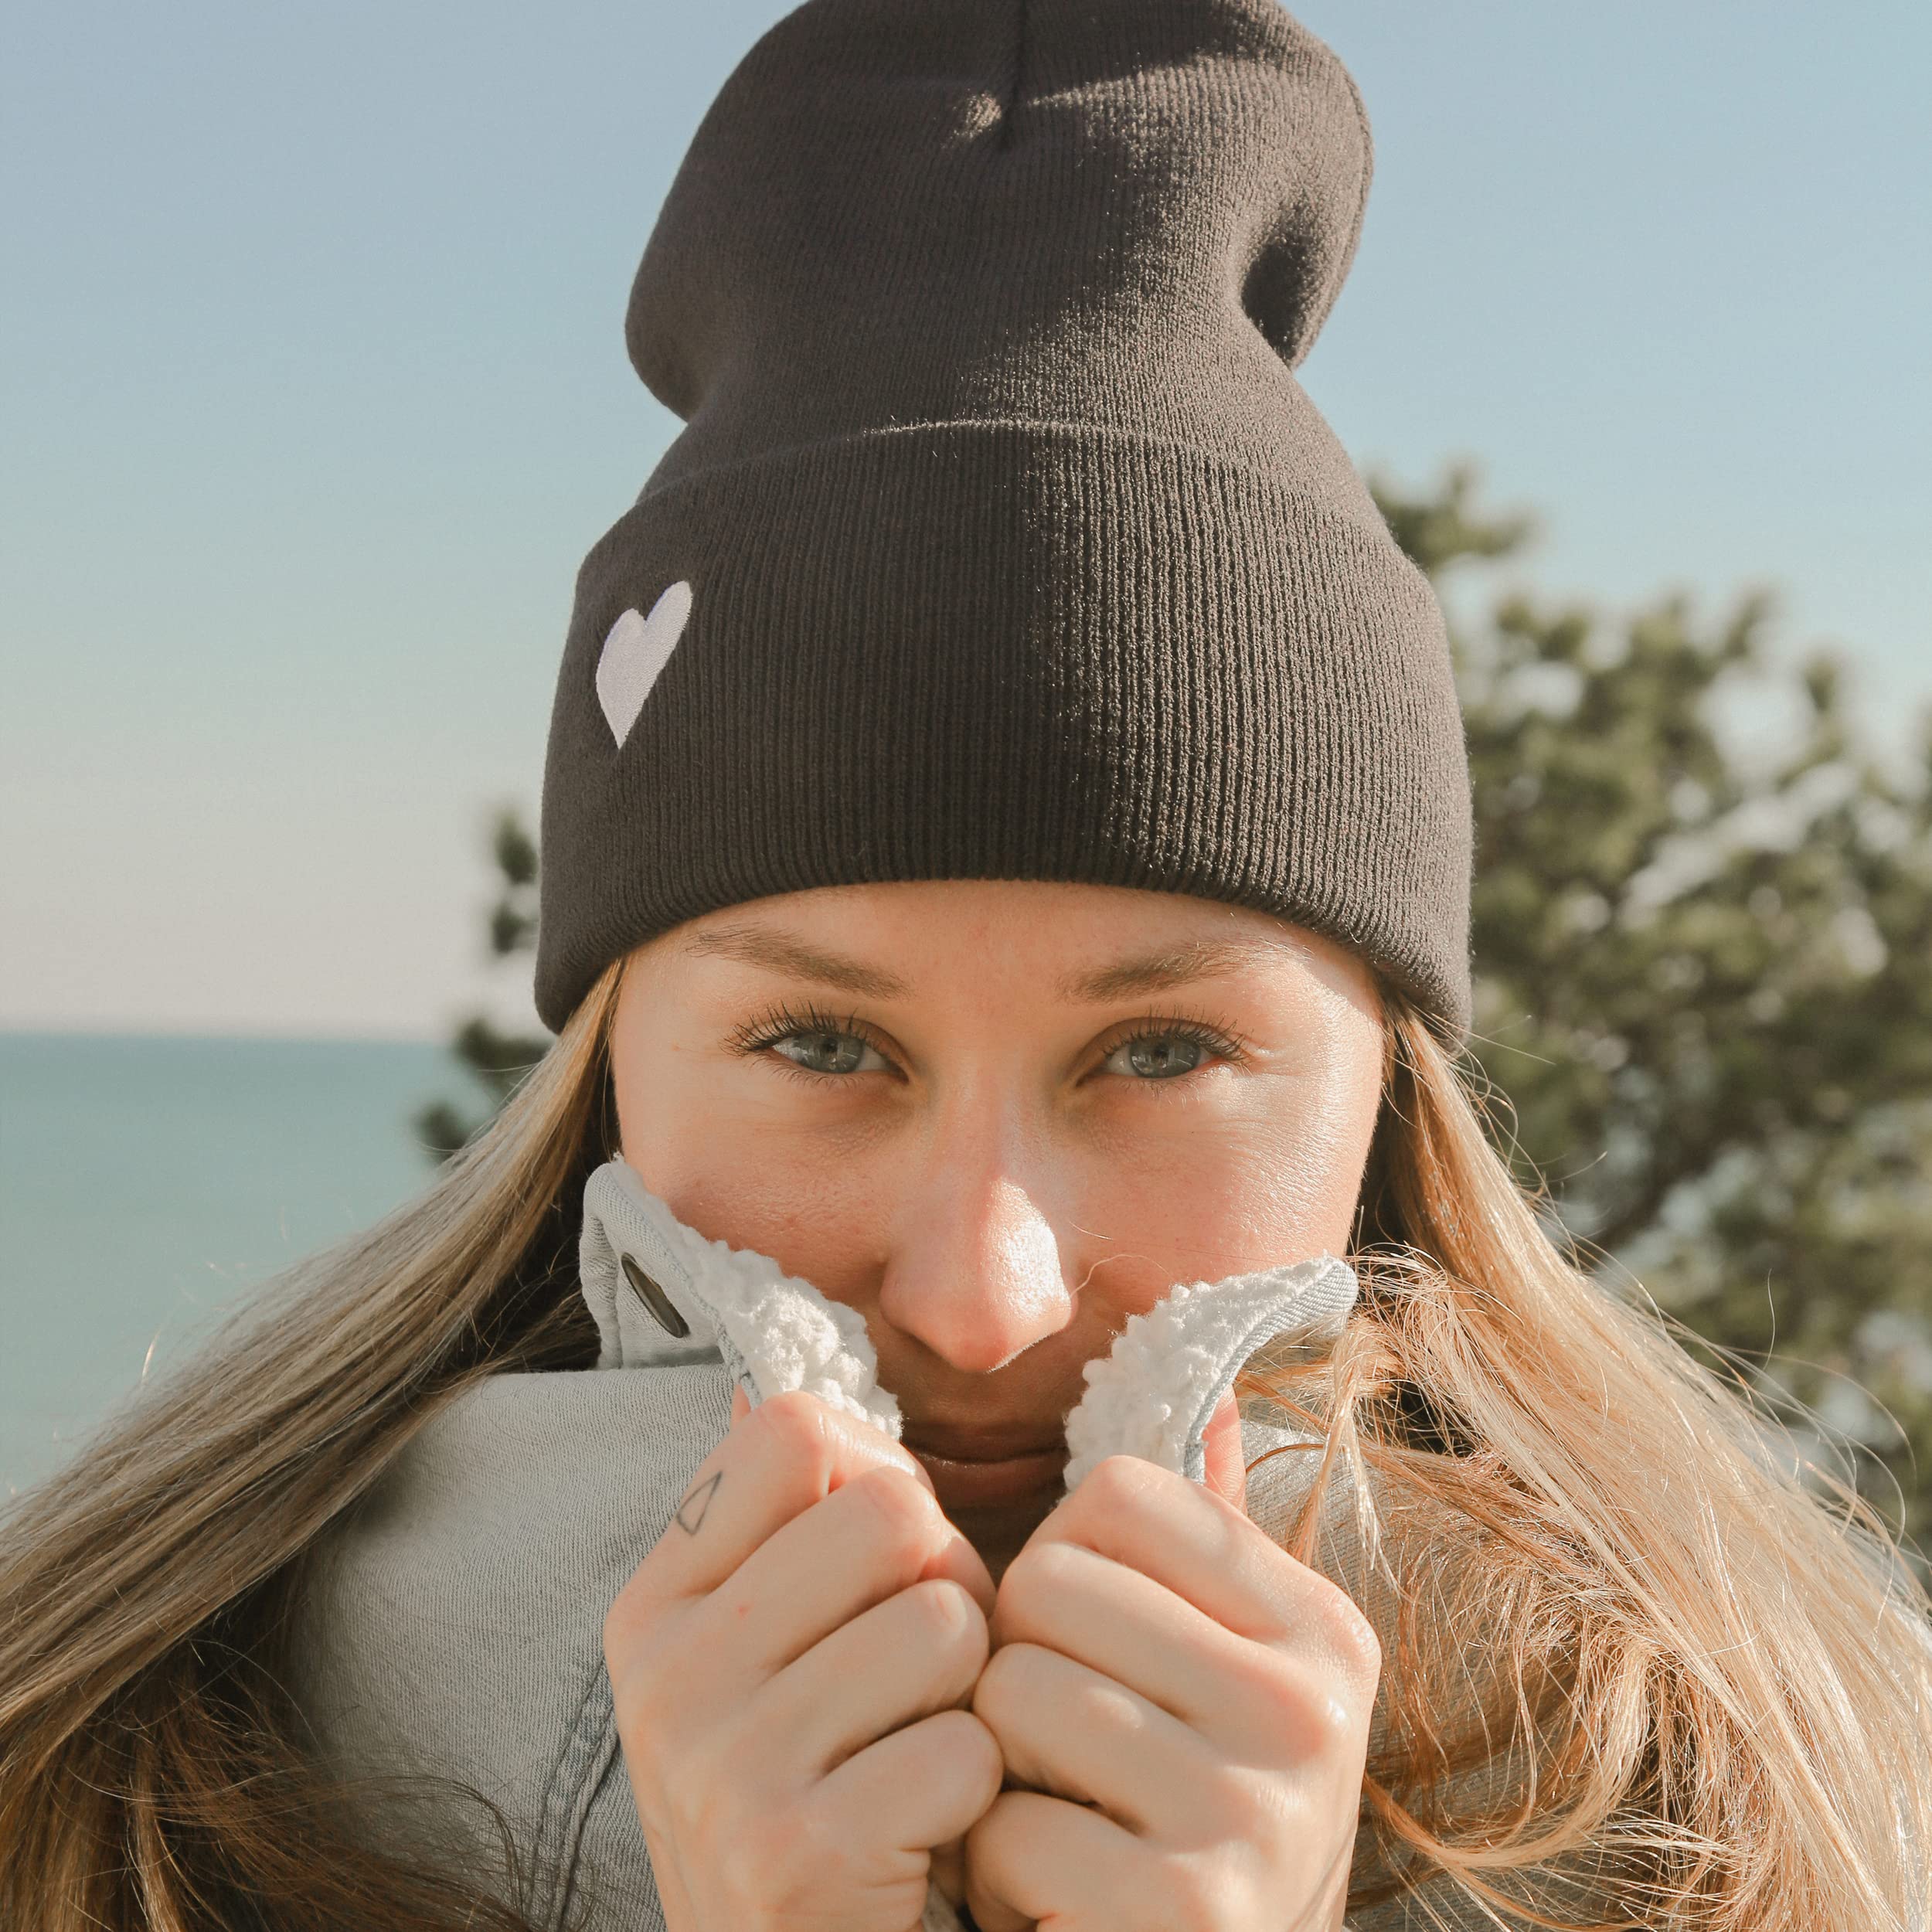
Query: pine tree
(1704,986)
(497,1060)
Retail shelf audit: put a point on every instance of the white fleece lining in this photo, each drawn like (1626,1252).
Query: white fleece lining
(1154,1392)
(775,1331)
(1152,1395)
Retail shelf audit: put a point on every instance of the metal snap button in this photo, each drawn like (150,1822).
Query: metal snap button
(654,1298)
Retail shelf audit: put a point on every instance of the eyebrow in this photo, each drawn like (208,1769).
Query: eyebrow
(1146,972)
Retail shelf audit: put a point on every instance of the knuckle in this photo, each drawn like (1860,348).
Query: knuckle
(957,1749)
(789,1425)
(976,1751)
(1268,1682)
(1251,1809)
(1013,1608)
(1032,1580)
(621,1624)
(1316,1717)
(1356,1646)
(904,1509)
(631,1621)
(1002,1687)
(989,1839)
(950,1621)
(638,1691)
(1189,1893)
(1121,1482)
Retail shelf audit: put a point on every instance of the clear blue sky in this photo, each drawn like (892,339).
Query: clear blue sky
(315,395)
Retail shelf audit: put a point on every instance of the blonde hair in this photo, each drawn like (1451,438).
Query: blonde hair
(1709,1684)
(1710,1691)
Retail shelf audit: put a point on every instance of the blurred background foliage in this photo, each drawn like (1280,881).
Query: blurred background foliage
(497,1058)
(1703,946)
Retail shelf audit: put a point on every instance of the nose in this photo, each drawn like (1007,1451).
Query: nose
(975,1273)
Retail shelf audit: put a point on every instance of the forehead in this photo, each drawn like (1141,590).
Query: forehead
(1081,945)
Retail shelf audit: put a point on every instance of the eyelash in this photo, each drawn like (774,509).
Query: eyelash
(780,1022)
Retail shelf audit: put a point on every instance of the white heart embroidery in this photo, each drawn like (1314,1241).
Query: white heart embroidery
(635,650)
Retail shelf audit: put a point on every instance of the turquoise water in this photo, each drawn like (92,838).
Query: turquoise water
(148,1182)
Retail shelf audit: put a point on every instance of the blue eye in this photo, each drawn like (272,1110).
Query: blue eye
(826,1051)
(811,1044)
(1157,1056)
(1164,1052)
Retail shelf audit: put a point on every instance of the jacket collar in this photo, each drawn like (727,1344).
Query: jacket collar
(662,1293)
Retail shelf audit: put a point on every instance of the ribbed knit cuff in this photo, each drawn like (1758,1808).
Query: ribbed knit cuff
(1017,650)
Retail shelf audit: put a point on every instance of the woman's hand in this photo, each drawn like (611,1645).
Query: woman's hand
(1185,1708)
(791,1665)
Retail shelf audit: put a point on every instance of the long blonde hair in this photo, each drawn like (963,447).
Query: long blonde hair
(1711,1692)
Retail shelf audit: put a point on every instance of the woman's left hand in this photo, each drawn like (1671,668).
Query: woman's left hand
(1185,1708)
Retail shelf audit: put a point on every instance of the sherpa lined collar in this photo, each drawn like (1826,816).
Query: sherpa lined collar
(1152,1395)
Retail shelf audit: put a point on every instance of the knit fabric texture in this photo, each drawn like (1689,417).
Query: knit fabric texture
(1000,541)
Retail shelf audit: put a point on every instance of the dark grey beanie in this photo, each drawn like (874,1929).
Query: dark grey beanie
(1000,542)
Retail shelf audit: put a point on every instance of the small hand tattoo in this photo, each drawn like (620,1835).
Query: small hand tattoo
(692,1510)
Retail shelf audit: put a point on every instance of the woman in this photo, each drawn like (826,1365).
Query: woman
(991,1372)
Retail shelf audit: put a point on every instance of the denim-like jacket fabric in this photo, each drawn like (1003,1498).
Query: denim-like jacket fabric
(451,1622)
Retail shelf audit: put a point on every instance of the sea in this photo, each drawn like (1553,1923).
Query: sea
(149,1182)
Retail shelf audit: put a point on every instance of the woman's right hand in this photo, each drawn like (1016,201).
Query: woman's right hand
(791,1665)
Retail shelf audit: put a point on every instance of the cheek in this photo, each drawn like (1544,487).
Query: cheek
(815,1219)
(1278,1181)
(679,1118)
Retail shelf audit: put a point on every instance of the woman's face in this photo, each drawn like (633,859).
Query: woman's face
(997,1117)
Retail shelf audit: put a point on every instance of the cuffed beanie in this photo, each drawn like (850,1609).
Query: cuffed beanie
(1000,541)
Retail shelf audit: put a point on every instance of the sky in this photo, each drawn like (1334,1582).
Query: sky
(314,395)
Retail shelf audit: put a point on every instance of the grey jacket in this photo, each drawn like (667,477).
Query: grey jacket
(452,1620)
